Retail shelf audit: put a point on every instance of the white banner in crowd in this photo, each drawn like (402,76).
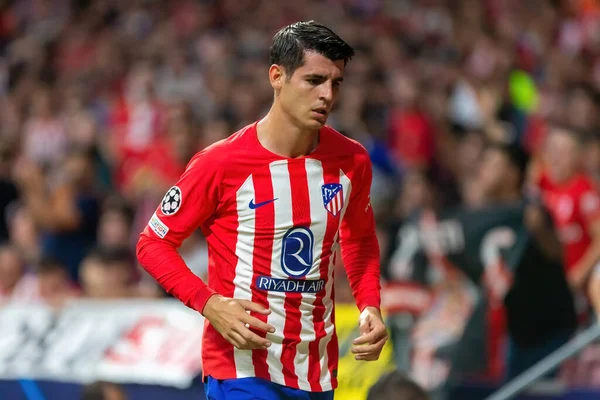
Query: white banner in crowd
(145,342)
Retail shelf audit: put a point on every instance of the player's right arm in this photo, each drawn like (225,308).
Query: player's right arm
(187,205)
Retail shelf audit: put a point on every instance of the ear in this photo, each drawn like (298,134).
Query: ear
(276,76)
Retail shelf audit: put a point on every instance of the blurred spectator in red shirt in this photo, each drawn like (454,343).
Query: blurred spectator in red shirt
(136,123)
(574,203)
(411,135)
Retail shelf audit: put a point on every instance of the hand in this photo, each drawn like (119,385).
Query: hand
(373,335)
(231,319)
(577,277)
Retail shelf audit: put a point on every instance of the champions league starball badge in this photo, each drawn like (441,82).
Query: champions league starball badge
(171,202)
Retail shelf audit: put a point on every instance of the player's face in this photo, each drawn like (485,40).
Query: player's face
(492,172)
(309,94)
(562,155)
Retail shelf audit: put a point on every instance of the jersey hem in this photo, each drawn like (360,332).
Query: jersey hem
(325,387)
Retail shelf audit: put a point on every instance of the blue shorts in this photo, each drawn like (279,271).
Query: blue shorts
(257,389)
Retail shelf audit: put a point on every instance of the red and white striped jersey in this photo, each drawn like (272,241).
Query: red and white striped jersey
(273,226)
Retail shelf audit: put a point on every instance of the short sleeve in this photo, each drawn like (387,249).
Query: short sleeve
(190,202)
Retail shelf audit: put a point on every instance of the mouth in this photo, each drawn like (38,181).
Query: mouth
(322,112)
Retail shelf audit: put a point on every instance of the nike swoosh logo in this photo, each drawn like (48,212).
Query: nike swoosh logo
(254,206)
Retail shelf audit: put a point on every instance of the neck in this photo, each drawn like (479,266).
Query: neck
(278,134)
(507,196)
(565,178)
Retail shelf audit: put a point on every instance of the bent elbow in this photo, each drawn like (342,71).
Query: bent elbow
(141,248)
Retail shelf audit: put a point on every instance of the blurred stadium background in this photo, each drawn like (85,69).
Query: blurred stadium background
(103,102)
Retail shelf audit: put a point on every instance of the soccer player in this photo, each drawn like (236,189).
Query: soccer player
(275,201)
(574,203)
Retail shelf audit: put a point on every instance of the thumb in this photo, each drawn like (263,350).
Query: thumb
(250,306)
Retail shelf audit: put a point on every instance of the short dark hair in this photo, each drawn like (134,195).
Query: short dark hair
(396,385)
(93,391)
(111,256)
(119,205)
(96,390)
(50,265)
(290,43)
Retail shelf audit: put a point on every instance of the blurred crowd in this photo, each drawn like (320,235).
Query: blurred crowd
(103,102)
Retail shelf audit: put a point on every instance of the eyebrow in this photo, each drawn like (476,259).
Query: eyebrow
(321,77)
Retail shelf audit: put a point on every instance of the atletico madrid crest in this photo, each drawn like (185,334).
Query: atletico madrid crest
(333,197)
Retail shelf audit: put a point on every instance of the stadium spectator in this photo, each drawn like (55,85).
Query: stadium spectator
(103,391)
(64,206)
(179,80)
(573,200)
(47,283)
(540,311)
(24,233)
(107,274)
(55,287)
(45,138)
(115,224)
(396,385)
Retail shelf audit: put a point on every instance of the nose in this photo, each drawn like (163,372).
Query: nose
(326,94)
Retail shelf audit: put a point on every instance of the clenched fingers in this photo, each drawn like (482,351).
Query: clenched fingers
(370,350)
(369,337)
(368,357)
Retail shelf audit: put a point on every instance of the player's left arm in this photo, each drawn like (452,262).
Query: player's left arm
(589,207)
(360,254)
